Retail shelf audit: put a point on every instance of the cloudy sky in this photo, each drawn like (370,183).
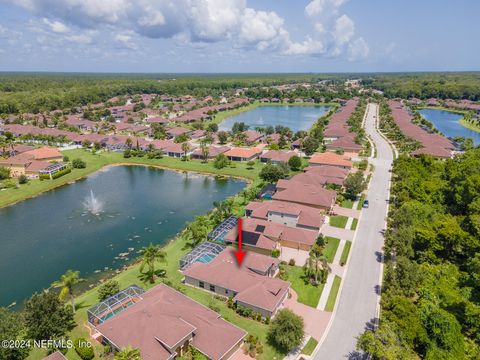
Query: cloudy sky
(239,35)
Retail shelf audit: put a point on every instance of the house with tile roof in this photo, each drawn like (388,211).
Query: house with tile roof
(222,276)
(163,323)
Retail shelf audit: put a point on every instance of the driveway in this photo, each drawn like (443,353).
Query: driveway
(336,232)
(338,210)
(358,302)
(300,256)
(316,321)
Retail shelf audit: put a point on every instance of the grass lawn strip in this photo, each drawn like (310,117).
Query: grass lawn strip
(310,346)
(339,221)
(331,248)
(360,202)
(345,252)
(354,224)
(332,297)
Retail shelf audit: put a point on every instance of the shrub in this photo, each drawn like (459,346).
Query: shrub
(287,330)
(363,165)
(4,173)
(66,158)
(127,154)
(85,352)
(220,161)
(79,164)
(108,289)
(214,307)
(61,173)
(291,262)
(22,179)
(273,173)
(295,162)
(275,253)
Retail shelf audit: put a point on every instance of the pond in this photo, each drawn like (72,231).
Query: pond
(98,223)
(448,124)
(294,117)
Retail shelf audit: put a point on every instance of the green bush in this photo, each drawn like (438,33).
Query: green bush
(85,352)
(220,161)
(79,164)
(22,179)
(4,173)
(108,289)
(275,253)
(287,330)
(295,162)
(61,173)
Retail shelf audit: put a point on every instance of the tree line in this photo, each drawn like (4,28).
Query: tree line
(431,291)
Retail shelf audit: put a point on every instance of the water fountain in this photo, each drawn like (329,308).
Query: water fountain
(93,205)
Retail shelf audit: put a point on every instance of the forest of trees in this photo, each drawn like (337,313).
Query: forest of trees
(427,85)
(45,92)
(431,290)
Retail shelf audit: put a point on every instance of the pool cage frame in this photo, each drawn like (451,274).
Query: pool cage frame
(206,248)
(227,225)
(120,300)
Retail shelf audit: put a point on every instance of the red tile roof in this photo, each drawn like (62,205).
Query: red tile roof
(163,318)
(260,291)
(330,158)
(306,194)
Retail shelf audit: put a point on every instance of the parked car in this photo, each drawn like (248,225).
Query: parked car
(365,204)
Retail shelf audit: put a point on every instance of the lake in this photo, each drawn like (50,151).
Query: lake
(447,123)
(295,117)
(43,237)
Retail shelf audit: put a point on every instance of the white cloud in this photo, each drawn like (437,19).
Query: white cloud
(358,50)
(80,39)
(319,7)
(344,29)
(56,26)
(191,22)
(307,47)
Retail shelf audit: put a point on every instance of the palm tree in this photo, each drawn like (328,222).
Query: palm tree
(197,231)
(317,268)
(205,152)
(185,148)
(129,143)
(66,283)
(128,353)
(150,254)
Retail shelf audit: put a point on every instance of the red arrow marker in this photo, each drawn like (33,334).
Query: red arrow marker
(239,254)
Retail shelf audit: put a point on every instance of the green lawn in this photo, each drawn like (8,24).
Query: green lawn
(310,346)
(360,202)
(345,252)
(332,297)
(308,294)
(347,203)
(96,162)
(338,221)
(331,248)
(354,224)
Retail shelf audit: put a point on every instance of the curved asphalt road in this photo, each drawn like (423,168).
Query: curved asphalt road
(358,303)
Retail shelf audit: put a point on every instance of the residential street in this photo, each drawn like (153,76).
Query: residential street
(357,307)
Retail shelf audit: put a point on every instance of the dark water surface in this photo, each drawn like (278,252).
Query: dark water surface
(294,117)
(447,123)
(43,237)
